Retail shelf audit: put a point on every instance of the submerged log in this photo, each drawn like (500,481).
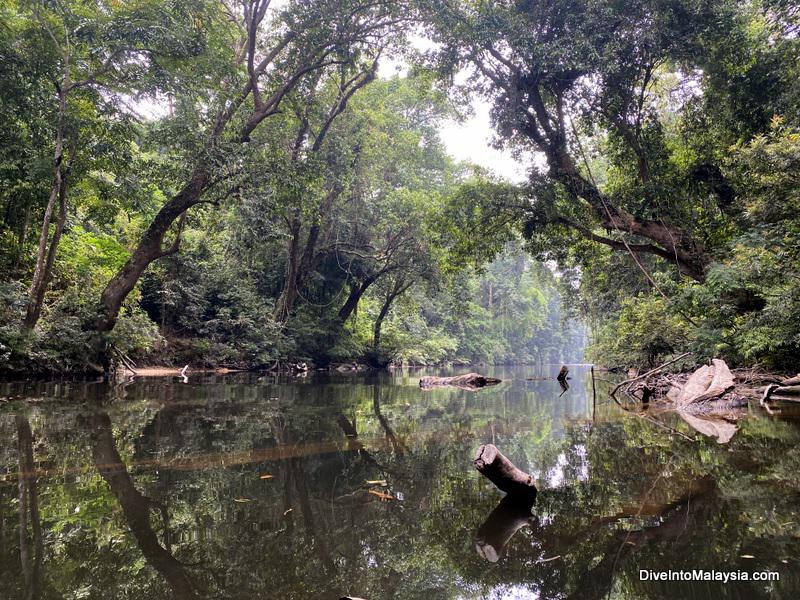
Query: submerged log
(518,484)
(469,381)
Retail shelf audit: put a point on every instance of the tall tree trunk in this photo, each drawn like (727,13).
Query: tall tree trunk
(299,267)
(42,269)
(397,288)
(28,506)
(149,249)
(136,508)
(356,292)
(547,129)
(673,243)
(39,288)
(289,292)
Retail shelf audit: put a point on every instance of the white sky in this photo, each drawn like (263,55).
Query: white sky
(469,141)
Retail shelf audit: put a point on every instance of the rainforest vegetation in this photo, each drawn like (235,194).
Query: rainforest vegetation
(237,184)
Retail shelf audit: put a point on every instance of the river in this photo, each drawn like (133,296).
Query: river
(248,486)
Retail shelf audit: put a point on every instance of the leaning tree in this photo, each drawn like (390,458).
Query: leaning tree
(276,50)
(556,72)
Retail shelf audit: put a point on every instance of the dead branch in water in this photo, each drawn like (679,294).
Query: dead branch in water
(628,382)
(787,390)
(492,464)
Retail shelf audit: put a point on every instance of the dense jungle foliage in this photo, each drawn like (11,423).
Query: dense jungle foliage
(232,184)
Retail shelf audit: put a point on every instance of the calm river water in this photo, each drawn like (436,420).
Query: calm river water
(249,487)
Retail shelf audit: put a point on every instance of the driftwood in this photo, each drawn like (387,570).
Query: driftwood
(706,383)
(706,400)
(561,377)
(469,381)
(491,463)
(788,390)
(704,403)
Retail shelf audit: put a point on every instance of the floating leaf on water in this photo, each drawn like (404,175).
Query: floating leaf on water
(242,499)
(377,482)
(381,495)
(266,476)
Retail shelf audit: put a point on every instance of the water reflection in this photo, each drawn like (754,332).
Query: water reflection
(28,511)
(331,485)
(507,518)
(136,509)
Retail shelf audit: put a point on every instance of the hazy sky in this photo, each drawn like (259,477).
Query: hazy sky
(467,141)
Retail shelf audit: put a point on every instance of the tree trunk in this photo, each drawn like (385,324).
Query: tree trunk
(356,292)
(148,250)
(376,328)
(39,287)
(41,272)
(288,294)
(299,267)
(673,242)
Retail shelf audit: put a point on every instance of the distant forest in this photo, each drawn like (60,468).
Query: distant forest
(233,184)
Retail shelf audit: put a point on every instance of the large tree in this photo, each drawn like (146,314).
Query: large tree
(274,52)
(73,64)
(552,68)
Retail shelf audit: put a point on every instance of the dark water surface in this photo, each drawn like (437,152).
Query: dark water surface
(248,487)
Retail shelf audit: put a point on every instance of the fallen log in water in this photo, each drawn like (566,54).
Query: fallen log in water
(518,484)
(708,399)
(632,380)
(788,390)
(469,381)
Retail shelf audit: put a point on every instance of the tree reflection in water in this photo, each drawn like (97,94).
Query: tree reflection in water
(333,486)
(136,508)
